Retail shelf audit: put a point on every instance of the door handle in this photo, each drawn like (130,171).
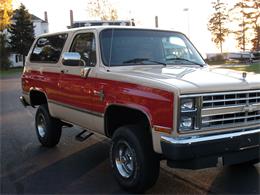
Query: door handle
(64,71)
(100,94)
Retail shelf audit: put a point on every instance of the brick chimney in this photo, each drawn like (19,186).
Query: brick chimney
(46,16)
(71,18)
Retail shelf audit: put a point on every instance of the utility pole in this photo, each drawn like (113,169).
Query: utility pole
(71,19)
(188,19)
(156,22)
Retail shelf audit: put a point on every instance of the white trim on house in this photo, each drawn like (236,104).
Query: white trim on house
(16,60)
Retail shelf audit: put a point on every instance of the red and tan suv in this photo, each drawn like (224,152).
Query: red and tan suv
(150,91)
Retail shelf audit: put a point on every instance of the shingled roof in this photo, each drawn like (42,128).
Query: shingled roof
(34,18)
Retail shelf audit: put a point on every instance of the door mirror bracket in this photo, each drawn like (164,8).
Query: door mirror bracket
(84,72)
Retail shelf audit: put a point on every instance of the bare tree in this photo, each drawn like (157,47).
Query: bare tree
(256,39)
(217,24)
(102,9)
(253,16)
(246,14)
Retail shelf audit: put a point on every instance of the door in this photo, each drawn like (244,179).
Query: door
(77,92)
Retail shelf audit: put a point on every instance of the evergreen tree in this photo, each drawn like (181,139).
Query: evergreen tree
(21,32)
(217,24)
(4,52)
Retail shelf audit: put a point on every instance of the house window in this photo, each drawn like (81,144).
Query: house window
(18,58)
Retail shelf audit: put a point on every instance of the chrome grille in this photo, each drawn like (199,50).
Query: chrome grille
(230,109)
(230,99)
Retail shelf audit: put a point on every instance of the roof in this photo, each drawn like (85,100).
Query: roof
(33,17)
(100,28)
(101,21)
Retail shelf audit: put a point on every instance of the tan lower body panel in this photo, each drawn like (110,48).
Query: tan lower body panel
(91,122)
(156,136)
(85,120)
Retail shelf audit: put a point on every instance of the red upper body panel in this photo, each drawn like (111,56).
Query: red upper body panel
(82,93)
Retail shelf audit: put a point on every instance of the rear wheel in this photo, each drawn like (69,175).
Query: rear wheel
(48,129)
(135,165)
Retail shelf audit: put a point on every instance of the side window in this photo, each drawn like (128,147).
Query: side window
(48,49)
(85,45)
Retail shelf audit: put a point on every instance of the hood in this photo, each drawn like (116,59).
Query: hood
(193,79)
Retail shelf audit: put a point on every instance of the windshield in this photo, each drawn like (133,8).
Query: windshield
(125,47)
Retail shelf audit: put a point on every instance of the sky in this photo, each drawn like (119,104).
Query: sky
(171,15)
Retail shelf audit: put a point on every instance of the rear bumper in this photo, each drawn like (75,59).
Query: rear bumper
(205,151)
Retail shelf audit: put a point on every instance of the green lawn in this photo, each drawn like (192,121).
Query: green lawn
(247,68)
(10,72)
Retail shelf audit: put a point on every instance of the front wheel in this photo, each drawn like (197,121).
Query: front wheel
(247,163)
(48,129)
(134,163)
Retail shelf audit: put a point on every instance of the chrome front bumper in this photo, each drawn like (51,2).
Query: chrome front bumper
(200,139)
(195,152)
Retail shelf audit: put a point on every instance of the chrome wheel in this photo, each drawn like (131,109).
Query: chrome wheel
(124,159)
(41,125)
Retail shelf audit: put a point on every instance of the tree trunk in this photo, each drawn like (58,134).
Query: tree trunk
(257,39)
(220,29)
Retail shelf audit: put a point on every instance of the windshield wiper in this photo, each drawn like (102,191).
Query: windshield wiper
(140,60)
(186,60)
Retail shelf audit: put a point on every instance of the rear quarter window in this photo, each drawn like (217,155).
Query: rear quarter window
(48,49)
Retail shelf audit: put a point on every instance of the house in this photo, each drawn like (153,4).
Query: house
(40,27)
(232,56)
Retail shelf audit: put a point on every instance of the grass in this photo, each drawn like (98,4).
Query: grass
(247,68)
(10,72)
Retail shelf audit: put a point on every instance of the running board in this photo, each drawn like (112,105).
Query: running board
(82,136)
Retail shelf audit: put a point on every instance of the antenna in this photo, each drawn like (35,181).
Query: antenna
(111,46)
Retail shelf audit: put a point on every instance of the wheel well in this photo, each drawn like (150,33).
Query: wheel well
(117,116)
(37,98)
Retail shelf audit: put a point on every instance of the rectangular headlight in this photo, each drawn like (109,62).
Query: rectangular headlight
(186,123)
(188,114)
(187,104)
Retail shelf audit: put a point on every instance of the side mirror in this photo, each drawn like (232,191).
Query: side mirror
(71,59)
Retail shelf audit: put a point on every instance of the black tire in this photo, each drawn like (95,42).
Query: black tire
(247,163)
(144,163)
(48,129)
